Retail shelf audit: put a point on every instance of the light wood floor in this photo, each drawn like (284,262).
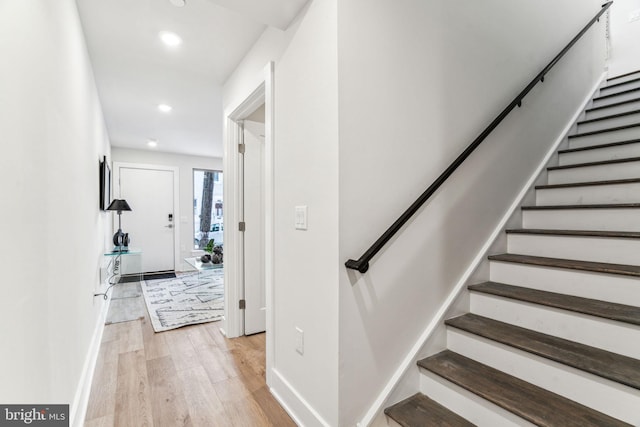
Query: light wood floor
(192,376)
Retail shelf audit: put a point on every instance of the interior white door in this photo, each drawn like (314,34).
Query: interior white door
(151,222)
(254,209)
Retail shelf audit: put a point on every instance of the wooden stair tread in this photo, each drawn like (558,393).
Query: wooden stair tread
(576,233)
(595,206)
(592,307)
(419,410)
(599,146)
(589,183)
(599,131)
(598,163)
(611,116)
(624,92)
(596,267)
(615,104)
(621,369)
(620,84)
(534,404)
(623,75)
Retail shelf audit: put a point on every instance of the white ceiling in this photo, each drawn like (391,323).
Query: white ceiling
(135,71)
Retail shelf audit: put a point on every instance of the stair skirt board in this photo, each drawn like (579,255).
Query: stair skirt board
(609,335)
(606,396)
(604,152)
(596,249)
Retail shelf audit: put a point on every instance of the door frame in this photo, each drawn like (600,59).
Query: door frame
(234,289)
(176,199)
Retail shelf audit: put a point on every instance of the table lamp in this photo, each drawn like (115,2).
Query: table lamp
(120,239)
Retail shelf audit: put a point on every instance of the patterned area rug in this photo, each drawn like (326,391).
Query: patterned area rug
(186,300)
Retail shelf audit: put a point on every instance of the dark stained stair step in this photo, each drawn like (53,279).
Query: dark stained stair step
(611,116)
(621,369)
(534,404)
(615,104)
(596,206)
(612,85)
(596,267)
(419,410)
(592,307)
(599,163)
(576,233)
(599,131)
(589,184)
(623,75)
(624,92)
(599,146)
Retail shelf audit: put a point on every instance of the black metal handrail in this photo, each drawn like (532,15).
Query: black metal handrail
(362,263)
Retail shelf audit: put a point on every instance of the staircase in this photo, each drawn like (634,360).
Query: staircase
(553,339)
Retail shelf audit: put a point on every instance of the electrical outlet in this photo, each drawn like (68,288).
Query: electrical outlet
(301,217)
(299,341)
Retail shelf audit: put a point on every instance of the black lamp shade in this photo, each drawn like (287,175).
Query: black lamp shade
(119,205)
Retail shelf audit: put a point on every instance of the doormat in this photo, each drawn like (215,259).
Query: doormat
(189,299)
(147,276)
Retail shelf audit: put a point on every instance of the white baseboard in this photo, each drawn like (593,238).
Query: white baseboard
(78,409)
(296,406)
(410,360)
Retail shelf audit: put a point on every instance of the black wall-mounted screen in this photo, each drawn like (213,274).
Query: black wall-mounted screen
(105,184)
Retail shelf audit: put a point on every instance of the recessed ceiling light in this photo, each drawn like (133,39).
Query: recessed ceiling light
(178,3)
(165,108)
(170,39)
(152,143)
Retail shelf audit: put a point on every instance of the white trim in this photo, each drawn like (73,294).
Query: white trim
(177,262)
(78,409)
(234,291)
(299,409)
(410,360)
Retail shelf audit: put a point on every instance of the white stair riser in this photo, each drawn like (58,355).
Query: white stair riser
(600,154)
(605,138)
(631,76)
(609,123)
(600,333)
(605,287)
(470,406)
(588,195)
(597,249)
(603,395)
(621,86)
(615,99)
(605,172)
(583,219)
(613,109)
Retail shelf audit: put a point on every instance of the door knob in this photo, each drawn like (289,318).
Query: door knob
(169,226)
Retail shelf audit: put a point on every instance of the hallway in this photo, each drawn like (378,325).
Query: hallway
(189,376)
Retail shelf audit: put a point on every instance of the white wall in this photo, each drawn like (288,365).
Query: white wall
(53,138)
(419,80)
(186,164)
(625,37)
(306,262)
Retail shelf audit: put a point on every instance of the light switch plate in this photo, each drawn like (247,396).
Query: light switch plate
(301,217)
(634,15)
(299,341)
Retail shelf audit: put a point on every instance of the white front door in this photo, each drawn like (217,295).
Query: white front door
(151,222)
(254,244)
